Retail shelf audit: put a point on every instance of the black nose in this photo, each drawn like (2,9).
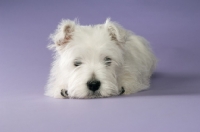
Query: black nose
(93,85)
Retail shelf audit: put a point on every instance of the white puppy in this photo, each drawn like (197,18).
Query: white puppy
(98,61)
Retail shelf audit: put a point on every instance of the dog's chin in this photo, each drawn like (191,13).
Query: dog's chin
(90,95)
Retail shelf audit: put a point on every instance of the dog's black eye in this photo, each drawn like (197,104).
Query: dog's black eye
(77,63)
(107,60)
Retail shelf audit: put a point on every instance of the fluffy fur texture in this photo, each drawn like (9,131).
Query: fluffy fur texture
(114,58)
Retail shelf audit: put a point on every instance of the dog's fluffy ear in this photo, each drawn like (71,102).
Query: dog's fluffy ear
(116,32)
(63,34)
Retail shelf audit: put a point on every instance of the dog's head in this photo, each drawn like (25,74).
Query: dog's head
(90,58)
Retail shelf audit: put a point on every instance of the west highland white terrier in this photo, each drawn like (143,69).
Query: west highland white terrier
(98,61)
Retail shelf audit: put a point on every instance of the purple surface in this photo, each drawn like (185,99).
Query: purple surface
(171,105)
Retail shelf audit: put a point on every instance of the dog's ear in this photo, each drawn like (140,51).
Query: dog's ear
(116,32)
(63,34)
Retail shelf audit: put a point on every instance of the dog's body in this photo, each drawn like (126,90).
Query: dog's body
(98,61)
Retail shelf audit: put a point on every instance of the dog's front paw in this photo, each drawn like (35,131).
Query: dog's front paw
(64,93)
(122,91)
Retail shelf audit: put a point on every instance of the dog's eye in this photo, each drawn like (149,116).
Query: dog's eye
(107,61)
(77,63)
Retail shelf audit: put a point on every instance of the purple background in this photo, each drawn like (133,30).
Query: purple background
(171,105)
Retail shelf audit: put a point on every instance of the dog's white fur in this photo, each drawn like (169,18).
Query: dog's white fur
(132,61)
